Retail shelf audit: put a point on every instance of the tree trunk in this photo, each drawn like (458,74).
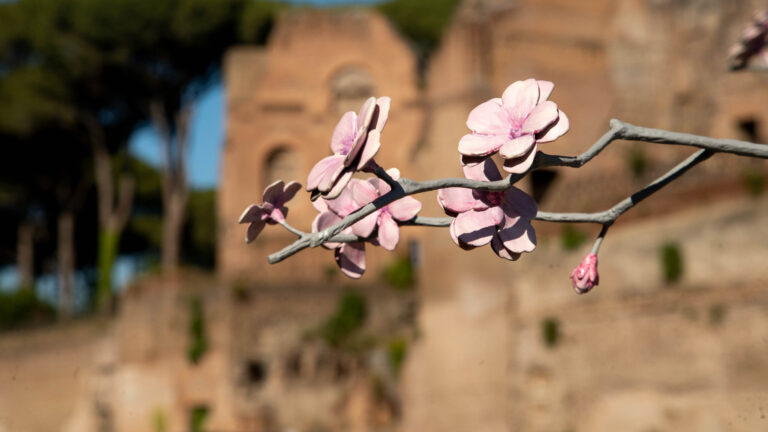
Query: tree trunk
(66,262)
(25,254)
(174,180)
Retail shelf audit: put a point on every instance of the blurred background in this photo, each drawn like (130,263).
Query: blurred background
(135,132)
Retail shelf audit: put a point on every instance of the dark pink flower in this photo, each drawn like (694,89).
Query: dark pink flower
(356,140)
(753,43)
(585,276)
(271,211)
(501,218)
(514,124)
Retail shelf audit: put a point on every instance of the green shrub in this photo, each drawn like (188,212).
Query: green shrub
(399,274)
(572,238)
(754,182)
(349,317)
(637,162)
(197,418)
(671,263)
(716,314)
(398,348)
(550,331)
(23,308)
(198,342)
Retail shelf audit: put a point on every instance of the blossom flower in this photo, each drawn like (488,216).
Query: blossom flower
(585,275)
(513,125)
(404,209)
(501,218)
(355,141)
(271,211)
(753,43)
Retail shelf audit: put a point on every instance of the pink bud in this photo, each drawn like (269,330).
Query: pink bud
(585,276)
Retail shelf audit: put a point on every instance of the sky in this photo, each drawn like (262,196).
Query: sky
(207,134)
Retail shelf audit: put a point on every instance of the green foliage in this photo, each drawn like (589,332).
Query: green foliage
(399,274)
(754,182)
(198,342)
(23,308)
(197,418)
(159,421)
(349,317)
(108,243)
(397,351)
(571,238)
(550,332)
(671,263)
(717,314)
(258,19)
(199,240)
(637,162)
(422,22)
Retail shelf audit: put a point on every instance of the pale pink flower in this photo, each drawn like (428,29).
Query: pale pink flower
(356,140)
(402,210)
(585,276)
(271,211)
(753,43)
(501,218)
(513,125)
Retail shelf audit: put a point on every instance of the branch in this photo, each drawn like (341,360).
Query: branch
(618,130)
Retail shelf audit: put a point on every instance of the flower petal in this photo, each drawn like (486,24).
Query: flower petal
(341,184)
(277,215)
(252,213)
(289,191)
(405,208)
(344,134)
(324,173)
(370,148)
(273,192)
(485,171)
(520,164)
(517,147)
(365,226)
(519,237)
(471,160)
(456,200)
(540,118)
(518,203)
(545,89)
(557,129)
(489,118)
(363,192)
(253,231)
(350,258)
(323,221)
(382,113)
(501,251)
(345,203)
(480,145)
(389,232)
(455,237)
(519,99)
(476,228)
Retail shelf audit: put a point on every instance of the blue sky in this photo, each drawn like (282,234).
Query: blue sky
(207,132)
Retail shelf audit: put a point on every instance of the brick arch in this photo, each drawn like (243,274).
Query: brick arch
(281,161)
(348,85)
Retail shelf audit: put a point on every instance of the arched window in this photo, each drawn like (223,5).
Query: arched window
(350,87)
(281,164)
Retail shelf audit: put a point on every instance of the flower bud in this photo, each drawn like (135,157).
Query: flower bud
(585,276)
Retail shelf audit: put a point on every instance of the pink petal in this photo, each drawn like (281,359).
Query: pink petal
(389,232)
(253,231)
(456,200)
(501,251)
(520,237)
(485,171)
(341,184)
(273,192)
(455,237)
(476,228)
(323,221)
(382,114)
(252,213)
(489,118)
(363,192)
(480,145)
(320,205)
(365,226)
(289,191)
(350,258)
(277,215)
(517,147)
(370,148)
(520,98)
(366,114)
(545,90)
(345,203)
(558,129)
(405,208)
(540,118)
(520,164)
(324,173)
(344,134)
(471,160)
(520,203)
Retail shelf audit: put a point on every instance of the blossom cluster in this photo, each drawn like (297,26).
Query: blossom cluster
(512,127)
(753,43)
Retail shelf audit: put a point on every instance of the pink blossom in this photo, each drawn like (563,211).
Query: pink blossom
(501,218)
(753,43)
(271,211)
(513,125)
(585,276)
(355,141)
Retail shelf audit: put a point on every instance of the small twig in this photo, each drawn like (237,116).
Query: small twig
(599,240)
(292,229)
